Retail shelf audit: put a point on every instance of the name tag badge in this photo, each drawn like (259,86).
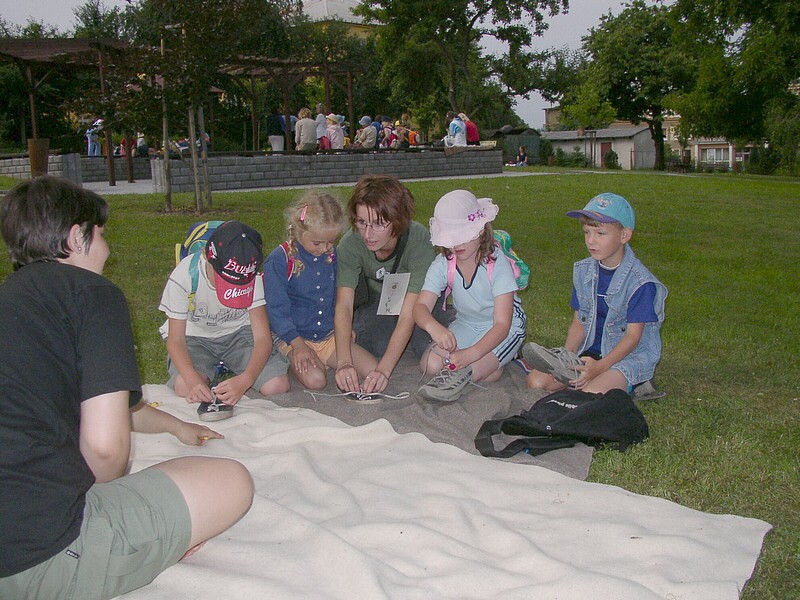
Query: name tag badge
(393,293)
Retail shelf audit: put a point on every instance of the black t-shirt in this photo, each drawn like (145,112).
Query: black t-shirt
(66,337)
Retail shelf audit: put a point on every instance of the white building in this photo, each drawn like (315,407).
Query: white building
(633,145)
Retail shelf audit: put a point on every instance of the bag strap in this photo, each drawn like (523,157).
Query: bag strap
(401,246)
(533,446)
(194,275)
(451,276)
(289,260)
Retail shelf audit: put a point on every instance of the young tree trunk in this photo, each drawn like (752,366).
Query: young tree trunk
(128,156)
(165,136)
(198,196)
(204,154)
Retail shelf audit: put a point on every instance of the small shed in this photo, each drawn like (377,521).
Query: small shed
(633,145)
(511,138)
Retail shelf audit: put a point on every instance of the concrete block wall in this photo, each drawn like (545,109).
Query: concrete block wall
(62,165)
(93,168)
(244,172)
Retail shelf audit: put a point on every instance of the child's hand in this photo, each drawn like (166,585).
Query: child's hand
(444,338)
(303,358)
(231,390)
(462,358)
(590,369)
(199,392)
(193,434)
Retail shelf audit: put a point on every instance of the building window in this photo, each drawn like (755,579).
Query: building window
(715,155)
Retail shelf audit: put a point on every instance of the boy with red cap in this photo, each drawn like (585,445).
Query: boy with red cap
(223,321)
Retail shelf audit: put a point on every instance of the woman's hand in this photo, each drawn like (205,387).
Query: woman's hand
(375,382)
(347,379)
(193,434)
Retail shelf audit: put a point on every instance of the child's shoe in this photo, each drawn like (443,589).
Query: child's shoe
(214,411)
(558,362)
(447,385)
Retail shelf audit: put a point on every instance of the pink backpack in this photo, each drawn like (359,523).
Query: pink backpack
(502,240)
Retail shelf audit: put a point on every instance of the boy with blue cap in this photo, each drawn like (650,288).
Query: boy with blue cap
(614,340)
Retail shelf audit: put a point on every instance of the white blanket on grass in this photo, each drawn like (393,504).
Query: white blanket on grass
(363,512)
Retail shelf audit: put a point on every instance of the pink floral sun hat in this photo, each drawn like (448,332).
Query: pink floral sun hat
(459,217)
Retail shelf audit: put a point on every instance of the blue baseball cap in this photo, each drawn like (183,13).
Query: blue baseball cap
(607,208)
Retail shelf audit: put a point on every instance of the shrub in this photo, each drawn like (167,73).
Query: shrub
(611,160)
(574,159)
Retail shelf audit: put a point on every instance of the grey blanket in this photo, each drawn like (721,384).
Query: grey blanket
(453,423)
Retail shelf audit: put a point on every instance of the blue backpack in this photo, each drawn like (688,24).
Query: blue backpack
(196,240)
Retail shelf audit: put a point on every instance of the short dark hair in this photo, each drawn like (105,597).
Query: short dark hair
(37,215)
(387,197)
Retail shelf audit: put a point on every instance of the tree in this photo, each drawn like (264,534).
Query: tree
(95,20)
(637,64)
(585,108)
(750,59)
(452,29)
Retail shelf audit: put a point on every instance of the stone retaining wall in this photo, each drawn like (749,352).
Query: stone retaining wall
(244,172)
(77,168)
(94,168)
(62,165)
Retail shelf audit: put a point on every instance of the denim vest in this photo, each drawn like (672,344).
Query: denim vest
(629,276)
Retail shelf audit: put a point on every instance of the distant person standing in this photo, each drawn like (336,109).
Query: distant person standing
(93,138)
(305,137)
(323,143)
(473,135)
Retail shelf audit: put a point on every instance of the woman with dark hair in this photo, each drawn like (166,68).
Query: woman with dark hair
(382,261)
(73,524)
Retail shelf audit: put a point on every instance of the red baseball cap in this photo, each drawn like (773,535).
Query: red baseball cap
(234,252)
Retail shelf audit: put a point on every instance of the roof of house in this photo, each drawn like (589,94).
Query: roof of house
(327,10)
(498,133)
(611,132)
(72,50)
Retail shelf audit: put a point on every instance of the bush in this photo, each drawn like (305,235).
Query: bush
(611,160)
(545,150)
(763,161)
(574,159)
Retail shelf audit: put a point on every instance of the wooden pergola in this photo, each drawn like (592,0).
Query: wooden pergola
(55,54)
(286,74)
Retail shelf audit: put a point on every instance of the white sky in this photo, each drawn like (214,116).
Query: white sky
(565,30)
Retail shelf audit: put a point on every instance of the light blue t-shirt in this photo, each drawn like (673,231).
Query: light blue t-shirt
(474,305)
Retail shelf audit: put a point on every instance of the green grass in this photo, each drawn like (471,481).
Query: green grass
(726,439)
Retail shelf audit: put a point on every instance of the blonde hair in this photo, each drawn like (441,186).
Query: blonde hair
(315,211)
(584,220)
(305,113)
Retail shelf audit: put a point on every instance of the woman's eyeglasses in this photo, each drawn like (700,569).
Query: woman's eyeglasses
(376,227)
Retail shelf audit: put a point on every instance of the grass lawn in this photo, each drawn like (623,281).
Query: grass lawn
(726,439)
